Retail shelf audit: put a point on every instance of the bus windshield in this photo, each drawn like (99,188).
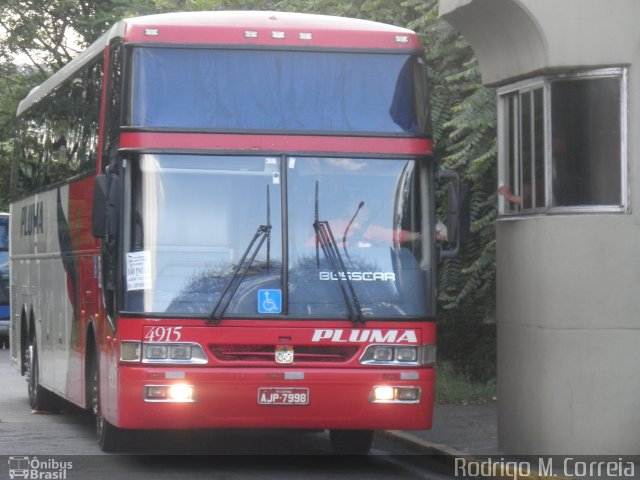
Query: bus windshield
(191,219)
(268,90)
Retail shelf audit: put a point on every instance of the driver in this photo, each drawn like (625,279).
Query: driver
(356,230)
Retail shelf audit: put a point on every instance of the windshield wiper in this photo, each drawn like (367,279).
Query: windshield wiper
(262,233)
(326,239)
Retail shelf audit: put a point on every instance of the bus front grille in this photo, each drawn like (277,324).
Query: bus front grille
(265,354)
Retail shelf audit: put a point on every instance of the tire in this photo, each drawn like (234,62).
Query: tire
(110,438)
(351,442)
(39,397)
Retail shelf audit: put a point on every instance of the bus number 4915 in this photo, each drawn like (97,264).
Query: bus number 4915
(163,334)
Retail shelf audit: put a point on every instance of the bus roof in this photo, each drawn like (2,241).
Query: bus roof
(238,28)
(267,28)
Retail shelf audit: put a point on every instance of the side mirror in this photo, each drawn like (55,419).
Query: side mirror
(458,213)
(99,210)
(106,206)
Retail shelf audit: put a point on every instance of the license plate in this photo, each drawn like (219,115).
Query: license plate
(283,396)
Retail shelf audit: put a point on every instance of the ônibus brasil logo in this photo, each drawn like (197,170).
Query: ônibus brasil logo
(34,468)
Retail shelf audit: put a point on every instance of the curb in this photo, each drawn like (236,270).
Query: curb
(425,447)
(450,457)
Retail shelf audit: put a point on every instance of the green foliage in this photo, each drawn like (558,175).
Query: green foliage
(15,83)
(464,128)
(49,33)
(463,114)
(469,282)
(469,346)
(453,387)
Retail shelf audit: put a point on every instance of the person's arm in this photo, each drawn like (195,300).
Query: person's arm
(381,234)
(506,193)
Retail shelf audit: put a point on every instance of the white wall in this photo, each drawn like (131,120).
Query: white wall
(568,298)
(568,335)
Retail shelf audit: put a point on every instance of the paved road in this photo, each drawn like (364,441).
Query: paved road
(52,441)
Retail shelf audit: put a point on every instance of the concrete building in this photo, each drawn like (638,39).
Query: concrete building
(568,232)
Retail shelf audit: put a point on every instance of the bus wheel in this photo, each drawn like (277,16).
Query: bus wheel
(39,397)
(109,437)
(351,442)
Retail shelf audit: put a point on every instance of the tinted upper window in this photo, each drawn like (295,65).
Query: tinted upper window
(274,90)
(58,135)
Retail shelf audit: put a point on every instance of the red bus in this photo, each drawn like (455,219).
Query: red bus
(226,220)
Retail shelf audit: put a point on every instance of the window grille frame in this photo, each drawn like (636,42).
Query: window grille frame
(506,117)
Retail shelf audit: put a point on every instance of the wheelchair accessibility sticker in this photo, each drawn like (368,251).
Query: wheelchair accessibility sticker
(270,300)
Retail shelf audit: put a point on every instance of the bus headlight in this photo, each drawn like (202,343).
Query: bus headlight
(390,394)
(155,352)
(177,392)
(180,392)
(382,394)
(383,354)
(180,353)
(165,353)
(406,354)
(394,355)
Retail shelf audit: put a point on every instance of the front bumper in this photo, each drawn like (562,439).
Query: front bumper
(228,398)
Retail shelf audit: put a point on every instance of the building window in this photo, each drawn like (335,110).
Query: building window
(564,144)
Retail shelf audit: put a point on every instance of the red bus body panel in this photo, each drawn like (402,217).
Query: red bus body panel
(270,143)
(227,391)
